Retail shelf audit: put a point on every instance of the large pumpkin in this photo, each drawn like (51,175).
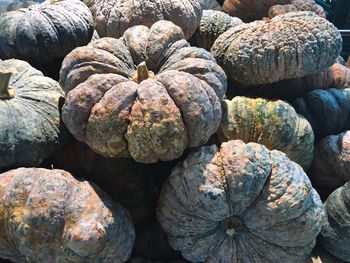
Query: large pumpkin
(296,5)
(48,216)
(45,32)
(240,203)
(114,17)
(30,126)
(274,124)
(335,234)
(152,111)
(288,46)
(326,110)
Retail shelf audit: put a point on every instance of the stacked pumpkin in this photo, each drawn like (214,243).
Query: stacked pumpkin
(200,173)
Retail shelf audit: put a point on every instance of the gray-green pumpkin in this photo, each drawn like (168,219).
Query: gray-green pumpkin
(274,124)
(30,126)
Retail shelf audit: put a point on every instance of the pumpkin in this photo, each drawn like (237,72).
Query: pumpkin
(152,111)
(213,24)
(45,32)
(331,165)
(326,110)
(263,52)
(335,234)
(126,182)
(250,10)
(240,203)
(30,126)
(211,5)
(51,217)
(12,6)
(297,5)
(114,17)
(274,124)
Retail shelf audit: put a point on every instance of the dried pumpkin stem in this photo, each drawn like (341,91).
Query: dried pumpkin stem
(142,73)
(232,225)
(4,85)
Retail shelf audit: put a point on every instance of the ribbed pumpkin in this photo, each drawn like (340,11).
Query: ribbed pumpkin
(213,24)
(48,216)
(45,32)
(126,182)
(288,46)
(240,203)
(296,5)
(335,234)
(326,110)
(152,111)
(114,17)
(30,126)
(274,124)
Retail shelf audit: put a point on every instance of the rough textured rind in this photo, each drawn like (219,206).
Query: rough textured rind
(176,106)
(331,165)
(289,46)
(335,234)
(212,25)
(114,17)
(42,33)
(274,124)
(48,216)
(326,110)
(296,5)
(240,203)
(30,125)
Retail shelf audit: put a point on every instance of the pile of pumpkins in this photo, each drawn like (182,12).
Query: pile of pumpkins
(173,131)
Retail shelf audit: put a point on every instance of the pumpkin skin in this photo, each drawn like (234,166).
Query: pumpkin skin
(45,32)
(126,182)
(331,165)
(149,116)
(263,52)
(274,124)
(240,203)
(326,110)
(335,234)
(213,24)
(320,256)
(56,218)
(296,5)
(30,125)
(211,5)
(114,17)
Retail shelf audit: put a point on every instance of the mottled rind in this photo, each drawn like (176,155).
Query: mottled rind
(51,217)
(335,234)
(281,214)
(296,5)
(45,32)
(274,124)
(30,125)
(288,46)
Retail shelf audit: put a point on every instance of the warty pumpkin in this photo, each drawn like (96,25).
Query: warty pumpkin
(288,46)
(45,32)
(296,5)
(152,111)
(326,110)
(240,203)
(274,124)
(114,17)
(48,216)
(30,125)
(212,25)
(335,234)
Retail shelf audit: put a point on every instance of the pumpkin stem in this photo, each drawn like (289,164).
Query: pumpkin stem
(142,73)
(232,225)
(5,92)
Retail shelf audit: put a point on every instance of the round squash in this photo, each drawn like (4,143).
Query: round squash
(335,234)
(240,203)
(45,32)
(48,216)
(296,5)
(326,110)
(114,17)
(152,111)
(274,124)
(30,125)
(288,46)
(213,24)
